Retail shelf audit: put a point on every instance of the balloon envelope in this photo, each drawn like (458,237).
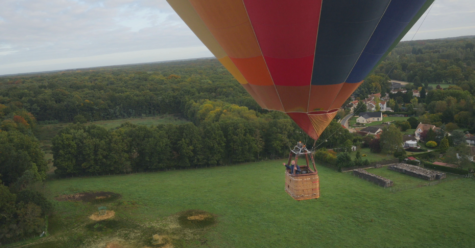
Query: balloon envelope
(305,57)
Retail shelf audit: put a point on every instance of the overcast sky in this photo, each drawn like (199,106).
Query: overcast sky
(42,35)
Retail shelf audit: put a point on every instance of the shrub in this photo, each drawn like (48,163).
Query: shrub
(325,156)
(400,153)
(415,149)
(344,160)
(446,169)
(375,146)
(431,144)
(27,196)
(80,119)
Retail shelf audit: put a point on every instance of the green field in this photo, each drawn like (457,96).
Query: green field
(352,121)
(47,132)
(252,210)
(443,86)
(372,157)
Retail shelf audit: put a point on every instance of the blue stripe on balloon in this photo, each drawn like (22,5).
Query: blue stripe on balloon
(345,28)
(398,15)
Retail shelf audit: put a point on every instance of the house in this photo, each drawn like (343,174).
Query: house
(385,98)
(370,105)
(423,127)
(395,85)
(470,139)
(371,130)
(410,144)
(353,105)
(372,96)
(416,93)
(368,117)
(382,105)
(410,141)
(413,160)
(471,154)
(395,91)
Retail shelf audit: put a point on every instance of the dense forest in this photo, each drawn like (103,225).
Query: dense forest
(448,61)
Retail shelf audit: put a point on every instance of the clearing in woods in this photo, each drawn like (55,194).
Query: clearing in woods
(47,132)
(246,206)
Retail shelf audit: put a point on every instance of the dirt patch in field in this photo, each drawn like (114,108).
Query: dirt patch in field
(196,219)
(102,216)
(93,197)
(162,240)
(114,245)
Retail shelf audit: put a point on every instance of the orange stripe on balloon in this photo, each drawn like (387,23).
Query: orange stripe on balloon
(231,67)
(321,121)
(230,25)
(268,95)
(303,121)
(254,95)
(188,14)
(254,70)
(294,98)
(322,96)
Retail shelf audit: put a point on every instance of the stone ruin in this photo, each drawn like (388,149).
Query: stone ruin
(417,171)
(381,181)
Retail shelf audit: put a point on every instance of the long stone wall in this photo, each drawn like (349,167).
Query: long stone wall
(381,181)
(417,171)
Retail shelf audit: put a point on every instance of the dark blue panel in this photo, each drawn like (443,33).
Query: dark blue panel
(398,15)
(345,29)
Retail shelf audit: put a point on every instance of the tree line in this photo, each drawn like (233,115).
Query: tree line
(221,133)
(22,165)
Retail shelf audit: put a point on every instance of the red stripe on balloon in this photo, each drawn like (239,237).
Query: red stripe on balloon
(287,34)
(303,121)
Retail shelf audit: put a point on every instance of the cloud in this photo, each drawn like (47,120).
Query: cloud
(44,30)
(445,18)
(42,33)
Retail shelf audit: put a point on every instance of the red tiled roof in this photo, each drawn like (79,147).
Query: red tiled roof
(411,158)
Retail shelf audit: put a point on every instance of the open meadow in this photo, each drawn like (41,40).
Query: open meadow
(47,132)
(352,121)
(248,207)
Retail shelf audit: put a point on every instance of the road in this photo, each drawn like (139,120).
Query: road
(345,119)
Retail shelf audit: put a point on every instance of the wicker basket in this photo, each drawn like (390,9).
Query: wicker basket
(302,186)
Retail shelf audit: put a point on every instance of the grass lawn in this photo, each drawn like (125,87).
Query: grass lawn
(402,181)
(352,121)
(443,86)
(372,157)
(253,210)
(409,131)
(47,132)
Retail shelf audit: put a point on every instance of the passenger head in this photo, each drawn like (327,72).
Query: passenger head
(292,162)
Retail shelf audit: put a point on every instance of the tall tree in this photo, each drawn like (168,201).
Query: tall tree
(391,139)
(360,107)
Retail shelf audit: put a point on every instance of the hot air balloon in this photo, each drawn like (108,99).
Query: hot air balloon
(301,57)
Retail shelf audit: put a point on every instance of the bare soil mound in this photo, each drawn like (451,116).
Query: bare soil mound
(104,216)
(196,219)
(93,197)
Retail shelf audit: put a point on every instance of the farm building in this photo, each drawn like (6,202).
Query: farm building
(368,117)
(371,130)
(423,127)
